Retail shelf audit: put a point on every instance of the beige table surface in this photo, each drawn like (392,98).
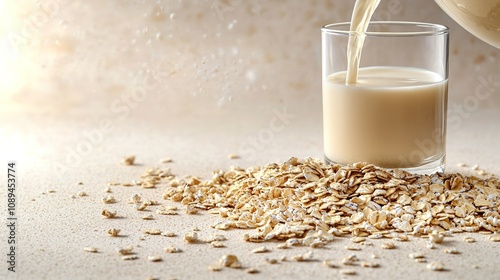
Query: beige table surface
(53,228)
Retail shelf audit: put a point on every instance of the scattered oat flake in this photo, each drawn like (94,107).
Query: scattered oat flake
(82,194)
(129,160)
(217,244)
(109,199)
(262,249)
(136,198)
(166,211)
(147,217)
(125,250)
(113,231)
(469,239)
(370,264)
(152,231)
(282,246)
(172,250)
(191,237)
(130,257)
(90,249)
(388,245)
(218,237)
(154,258)
(348,272)
(436,237)
(293,242)
(304,257)
(252,270)
(108,189)
(462,164)
(141,206)
(108,214)
(358,239)
(350,260)
(271,261)
(233,156)
(330,263)
(230,261)
(168,234)
(421,260)
(451,251)
(191,210)
(417,255)
(475,167)
(436,266)
(494,237)
(166,160)
(215,267)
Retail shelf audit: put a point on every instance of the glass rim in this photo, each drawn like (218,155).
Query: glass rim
(428,29)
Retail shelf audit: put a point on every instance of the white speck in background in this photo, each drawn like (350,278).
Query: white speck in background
(250,75)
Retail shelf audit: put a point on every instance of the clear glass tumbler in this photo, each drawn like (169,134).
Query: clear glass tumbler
(394,116)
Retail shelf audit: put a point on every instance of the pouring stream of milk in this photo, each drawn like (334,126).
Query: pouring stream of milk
(361,16)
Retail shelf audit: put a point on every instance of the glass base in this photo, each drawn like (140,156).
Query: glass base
(428,168)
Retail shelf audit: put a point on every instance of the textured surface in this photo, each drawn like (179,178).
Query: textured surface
(54,228)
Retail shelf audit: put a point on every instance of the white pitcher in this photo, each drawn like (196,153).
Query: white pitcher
(479,17)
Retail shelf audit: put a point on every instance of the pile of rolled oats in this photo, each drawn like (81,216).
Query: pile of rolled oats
(307,199)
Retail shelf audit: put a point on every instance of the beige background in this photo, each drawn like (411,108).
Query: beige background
(216,55)
(85,83)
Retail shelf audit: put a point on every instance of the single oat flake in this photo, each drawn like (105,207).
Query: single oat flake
(388,245)
(90,249)
(125,250)
(191,237)
(109,199)
(129,160)
(494,237)
(436,266)
(230,261)
(215,267)
(154,258)
(152,231)
(108,214)
(252,270)
(262,249)
(147,217)
(113,231)
(172,250)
